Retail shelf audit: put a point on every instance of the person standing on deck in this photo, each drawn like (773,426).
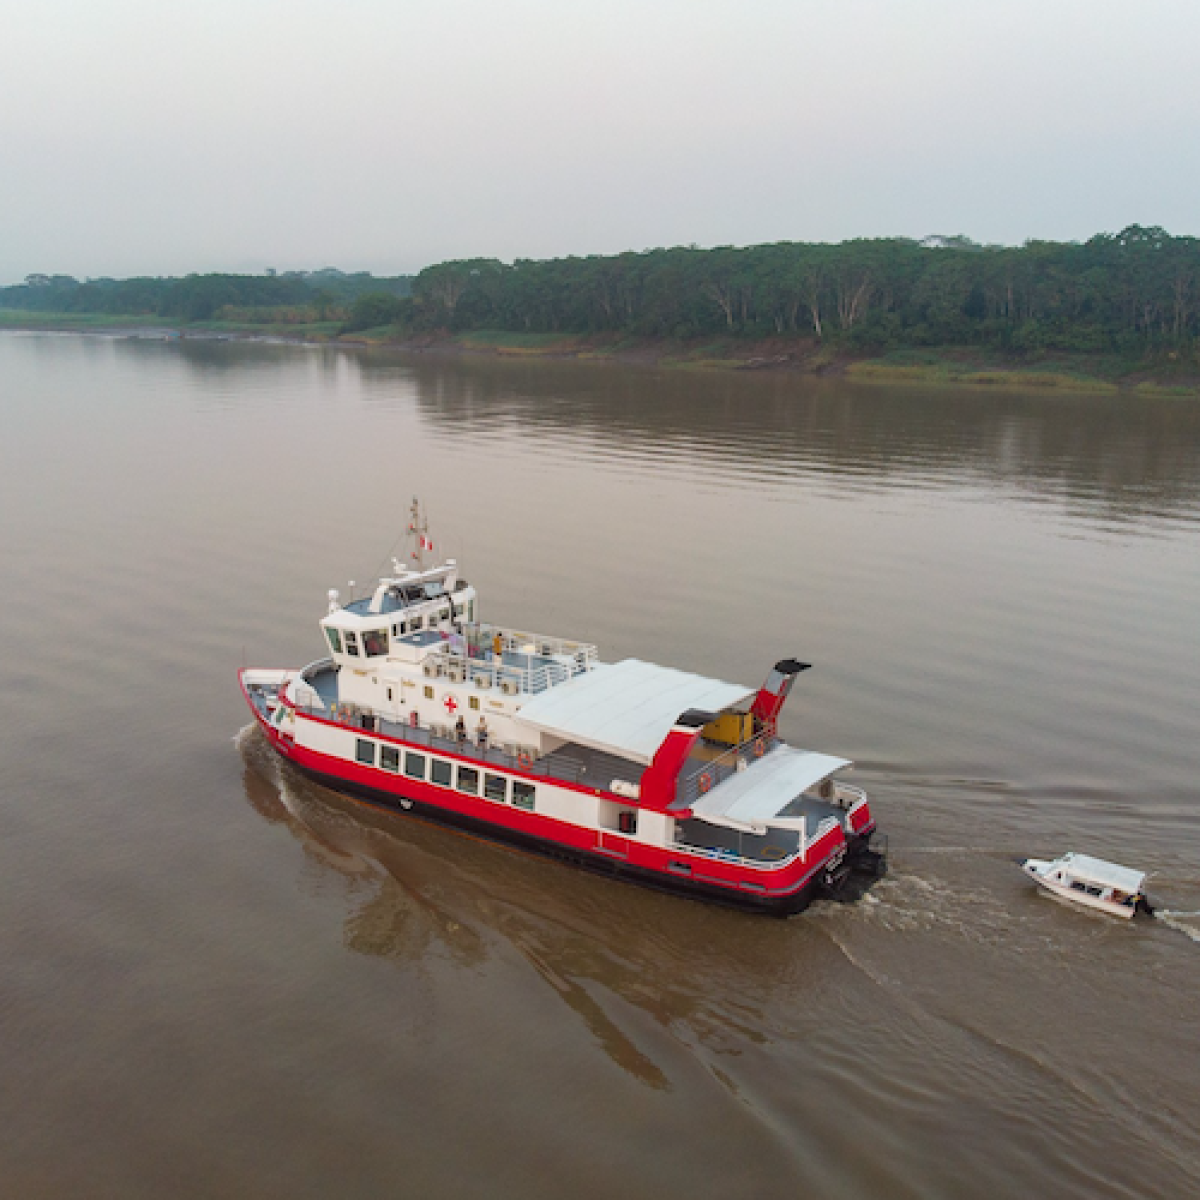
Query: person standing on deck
(481,734)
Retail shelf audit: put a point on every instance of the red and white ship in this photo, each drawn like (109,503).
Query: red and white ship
(639,771)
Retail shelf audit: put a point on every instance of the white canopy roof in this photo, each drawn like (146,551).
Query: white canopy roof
(1104,874)
(758,794)
(627,708)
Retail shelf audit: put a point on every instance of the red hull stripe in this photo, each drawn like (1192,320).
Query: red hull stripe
(781,888)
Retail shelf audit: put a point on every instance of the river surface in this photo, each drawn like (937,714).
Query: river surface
(221,980)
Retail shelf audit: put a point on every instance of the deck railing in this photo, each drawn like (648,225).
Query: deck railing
(528,662)
(442,738)
(723,854)
(709,772)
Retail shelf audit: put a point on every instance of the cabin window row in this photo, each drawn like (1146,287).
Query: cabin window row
(469,780)
(375,641)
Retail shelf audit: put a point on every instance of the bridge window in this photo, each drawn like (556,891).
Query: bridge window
(351,642)
(389,758)
(364,751)
(375,642)
(335,640)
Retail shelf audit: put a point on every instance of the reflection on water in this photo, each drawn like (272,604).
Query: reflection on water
(1111,457)
(438,891)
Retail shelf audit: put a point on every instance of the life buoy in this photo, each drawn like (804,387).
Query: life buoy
(760,747)
(704,782)
(525,760)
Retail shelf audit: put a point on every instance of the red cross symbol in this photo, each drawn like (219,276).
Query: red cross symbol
(451,705)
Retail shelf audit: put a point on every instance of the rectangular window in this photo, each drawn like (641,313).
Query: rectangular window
(523,795)
(351,642)
(364,751)
(428,693)
(389,758)
(335,640)
(495,787)
(414,765)
(417,623)
(468,780)
(458,610)
(473,701)
(439,771)
(375,642)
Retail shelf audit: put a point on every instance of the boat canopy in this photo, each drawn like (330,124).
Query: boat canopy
(758,795)
(627,708)
(1105,874)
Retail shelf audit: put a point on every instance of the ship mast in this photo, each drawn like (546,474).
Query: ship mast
(418,531)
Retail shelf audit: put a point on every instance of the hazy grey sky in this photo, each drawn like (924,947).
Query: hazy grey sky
(154,137)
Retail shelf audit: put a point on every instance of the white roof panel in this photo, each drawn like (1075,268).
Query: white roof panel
(627,708)
(1104,873)
(767,786)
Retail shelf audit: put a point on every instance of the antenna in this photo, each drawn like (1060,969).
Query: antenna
(418,529)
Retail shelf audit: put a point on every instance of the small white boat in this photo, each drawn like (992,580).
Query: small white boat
(1091,882)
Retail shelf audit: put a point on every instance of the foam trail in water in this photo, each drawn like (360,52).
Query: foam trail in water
(1179,920)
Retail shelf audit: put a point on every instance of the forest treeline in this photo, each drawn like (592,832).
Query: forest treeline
(308,295)
(1130,292)
(1134,293)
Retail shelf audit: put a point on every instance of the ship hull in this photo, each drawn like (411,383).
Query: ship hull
(779,892)
(599,864)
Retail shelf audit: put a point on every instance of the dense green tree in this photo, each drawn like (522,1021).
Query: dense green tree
(1136,292)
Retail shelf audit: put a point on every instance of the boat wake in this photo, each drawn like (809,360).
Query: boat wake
(1187,923)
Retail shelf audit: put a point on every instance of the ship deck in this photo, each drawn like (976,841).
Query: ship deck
(772,846)
(576,763)
(571,763)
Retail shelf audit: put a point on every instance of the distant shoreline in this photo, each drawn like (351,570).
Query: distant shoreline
(952,366)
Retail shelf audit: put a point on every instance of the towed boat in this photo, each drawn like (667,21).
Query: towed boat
(639,771)
(1091,882)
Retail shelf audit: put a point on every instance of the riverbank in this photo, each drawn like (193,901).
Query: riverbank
(953,366)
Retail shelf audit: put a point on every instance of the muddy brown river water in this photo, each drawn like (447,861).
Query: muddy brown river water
(221,980)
